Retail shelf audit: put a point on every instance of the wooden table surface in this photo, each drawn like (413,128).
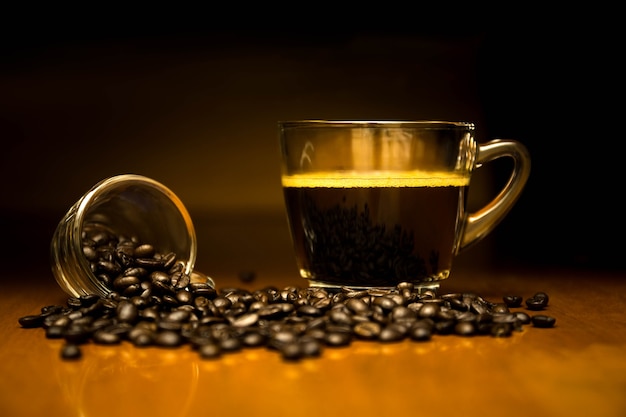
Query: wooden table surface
(577,368)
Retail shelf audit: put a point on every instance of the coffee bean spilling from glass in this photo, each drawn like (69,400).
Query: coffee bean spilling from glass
(152,304)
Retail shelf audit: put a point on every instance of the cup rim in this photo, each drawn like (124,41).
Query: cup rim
(120,181)
(427,124)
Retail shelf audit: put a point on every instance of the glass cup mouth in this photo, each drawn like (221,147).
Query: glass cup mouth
(129,207)
(144,202)
(420,124)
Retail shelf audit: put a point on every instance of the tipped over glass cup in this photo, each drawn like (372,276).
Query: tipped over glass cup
(120,233)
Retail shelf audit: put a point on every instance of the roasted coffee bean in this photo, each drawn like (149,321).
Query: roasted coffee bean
(168,338)
(500,308)
(90,253)
(60,320)
(254,338)
(337,338)
(286,308)
(125,253)
(522,317)
(73,302)
(150,263)
(392,333)
(178,316)
(539,301)
(501,330)
(88,300)
(466,316)
(458,304)
(170,325)
(385,302)
(162,288)
(357,305)
(245,320)
(144,251)
(100,323)
(141,301)
(55,332)
(402,313)
(141,337)
(135,272)
(478,307)
(428,310)
(31,321)
(464,328)
(230,344)
(283,337)
(151,313)
(444,326)
(127,312)
(202,290)
(270,312)
(105,280)
(181,281)
(222,303)
(541,296)
(340,317)
(184,297)
(309,311)
(76,334)
(322,303)
(310,346)
(121,329)
(169,300)
(76,314)
(536,304)
(160,276)
(504,318)
(420,333)
(105,338)
(543,321)
(291,351)
(131,290)
(316,323)
(512,300)
(210,351)
(169,260)
(70,351)
(51,309)
(367,330)
(108,267)
(123,282)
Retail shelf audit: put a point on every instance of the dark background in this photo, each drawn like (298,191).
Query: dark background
(192,100)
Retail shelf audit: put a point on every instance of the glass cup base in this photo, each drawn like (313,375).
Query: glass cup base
(419,287)
(421,284)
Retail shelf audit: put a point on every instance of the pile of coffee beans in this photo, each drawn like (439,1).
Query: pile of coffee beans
(128,266)
(152,302)
(296,322)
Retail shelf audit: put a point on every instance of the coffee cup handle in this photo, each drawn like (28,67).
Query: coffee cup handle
(482,222)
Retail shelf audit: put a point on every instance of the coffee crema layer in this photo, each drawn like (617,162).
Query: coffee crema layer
(349,179)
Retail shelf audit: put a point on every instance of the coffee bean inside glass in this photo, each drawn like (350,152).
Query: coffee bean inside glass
(371,204)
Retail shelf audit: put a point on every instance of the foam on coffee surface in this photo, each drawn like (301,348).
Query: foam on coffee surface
(353,179)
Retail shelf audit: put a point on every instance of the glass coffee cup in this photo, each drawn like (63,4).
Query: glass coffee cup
(376,203)
(99,238)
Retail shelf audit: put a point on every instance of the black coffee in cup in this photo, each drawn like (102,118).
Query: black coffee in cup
(374,231)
